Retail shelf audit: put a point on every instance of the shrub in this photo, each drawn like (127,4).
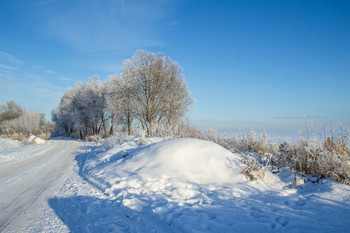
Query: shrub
(327,156)
(252,169)
(93,138)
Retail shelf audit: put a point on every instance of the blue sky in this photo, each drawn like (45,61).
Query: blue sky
(249,64)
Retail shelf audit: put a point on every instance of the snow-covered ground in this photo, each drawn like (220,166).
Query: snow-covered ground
(29,176)
(8,143)
(182,185)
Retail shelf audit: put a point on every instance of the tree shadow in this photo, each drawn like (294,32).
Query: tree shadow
(89,214)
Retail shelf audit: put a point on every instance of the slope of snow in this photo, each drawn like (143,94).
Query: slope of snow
(8,143)
(190,160)
(191,185)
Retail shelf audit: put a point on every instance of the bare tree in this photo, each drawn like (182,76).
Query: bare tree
(120,105)
(157,89)
(14,119)
(10,110)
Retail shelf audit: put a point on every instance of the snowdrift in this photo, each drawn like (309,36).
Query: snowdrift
(176,171)
(36,140)
(8,143)
(190,160)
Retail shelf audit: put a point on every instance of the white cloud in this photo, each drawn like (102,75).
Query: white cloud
(9,58)
(2,66)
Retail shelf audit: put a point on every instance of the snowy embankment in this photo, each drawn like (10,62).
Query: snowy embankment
(8,143)
(189,185)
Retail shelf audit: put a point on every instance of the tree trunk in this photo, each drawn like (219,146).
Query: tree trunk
(129,124)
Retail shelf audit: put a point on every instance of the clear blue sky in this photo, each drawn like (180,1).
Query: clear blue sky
(259,64)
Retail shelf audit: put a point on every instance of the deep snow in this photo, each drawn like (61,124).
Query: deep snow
(189,185)
(182,185)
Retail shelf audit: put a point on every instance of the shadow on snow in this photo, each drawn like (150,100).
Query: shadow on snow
(258,212)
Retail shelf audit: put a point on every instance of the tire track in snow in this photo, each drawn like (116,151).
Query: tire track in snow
(28,183)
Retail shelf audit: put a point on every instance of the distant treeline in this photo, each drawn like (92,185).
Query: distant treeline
(18,123)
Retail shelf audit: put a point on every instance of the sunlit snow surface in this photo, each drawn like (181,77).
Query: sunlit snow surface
(189,185)
(7,143)
(182,185)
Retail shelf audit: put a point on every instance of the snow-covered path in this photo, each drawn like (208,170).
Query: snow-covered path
(29,176)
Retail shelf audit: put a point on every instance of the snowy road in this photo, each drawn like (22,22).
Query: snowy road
(29,176)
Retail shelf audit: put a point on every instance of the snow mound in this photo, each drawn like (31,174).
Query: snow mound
(177,171)
(39,140)
(8,143)
(36,140)
(193,160)
(31,139)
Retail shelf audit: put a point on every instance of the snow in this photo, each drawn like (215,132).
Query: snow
(8,143)
(195,186)
(36,140)
(31,138)
(39,140)
(181,185)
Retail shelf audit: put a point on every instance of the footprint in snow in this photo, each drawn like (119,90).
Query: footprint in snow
(300,204)
(256,213)
(273,225)
(282,221)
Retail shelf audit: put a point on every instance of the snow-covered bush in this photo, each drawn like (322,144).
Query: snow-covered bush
(26,124)
(142,141)
(246,143)
(19,124)
(93,138)
(252,169)
(114,140)
(320,157)
(316,158)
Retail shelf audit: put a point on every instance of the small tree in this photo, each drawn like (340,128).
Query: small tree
(157,89)
(10,110)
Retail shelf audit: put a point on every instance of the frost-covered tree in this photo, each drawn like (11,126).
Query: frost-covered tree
(151,90)
(119,103)
(157,89)
(10,110)
(81,110)
(16,120)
